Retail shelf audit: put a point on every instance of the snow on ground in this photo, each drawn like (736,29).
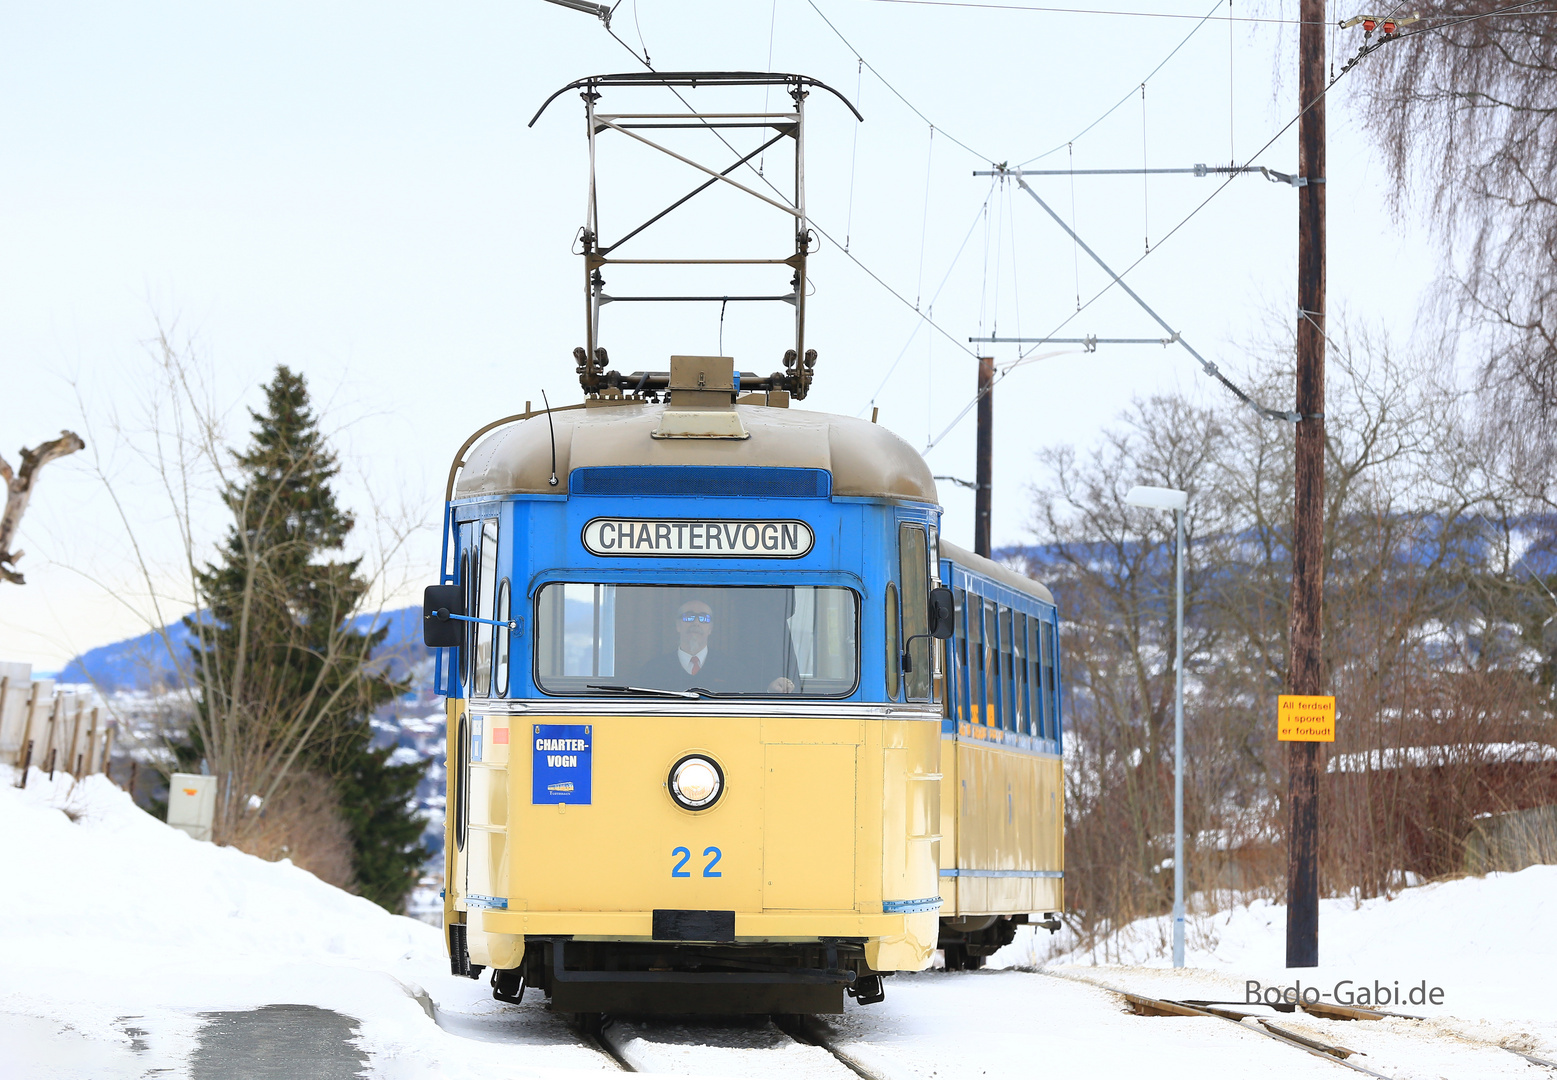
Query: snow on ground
(1487,945)
(1014,1023)
(117,933)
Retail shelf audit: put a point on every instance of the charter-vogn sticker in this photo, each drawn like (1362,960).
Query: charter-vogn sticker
(701,537)
(562,766)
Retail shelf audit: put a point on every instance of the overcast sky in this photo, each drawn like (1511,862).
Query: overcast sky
(351,189)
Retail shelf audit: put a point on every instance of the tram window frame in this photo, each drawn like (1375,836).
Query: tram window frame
(468,580)
(486,592)
(1019,672)
(978,677)
(992,697)
(893,636)
(462,779)
(958,692)
(837,611)
(502,648)
(1038,719)
(1050,690)
(913,548)
(1008,700)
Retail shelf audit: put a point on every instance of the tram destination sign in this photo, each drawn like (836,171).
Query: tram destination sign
(699,537)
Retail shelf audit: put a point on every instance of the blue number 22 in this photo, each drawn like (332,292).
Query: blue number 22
(708,871)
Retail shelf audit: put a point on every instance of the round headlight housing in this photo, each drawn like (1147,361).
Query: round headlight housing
(696,782)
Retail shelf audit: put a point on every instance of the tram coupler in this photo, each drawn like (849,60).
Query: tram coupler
(508,985)
(867,990)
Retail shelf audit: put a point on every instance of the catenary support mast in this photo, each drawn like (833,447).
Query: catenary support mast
(984,468)
(1307,667)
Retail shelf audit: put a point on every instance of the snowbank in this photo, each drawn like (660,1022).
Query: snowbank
(118,931)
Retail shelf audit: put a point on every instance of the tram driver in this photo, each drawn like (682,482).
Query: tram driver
(698,661)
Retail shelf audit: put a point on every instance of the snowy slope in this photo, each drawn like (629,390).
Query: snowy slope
(1489,943)
(114,924)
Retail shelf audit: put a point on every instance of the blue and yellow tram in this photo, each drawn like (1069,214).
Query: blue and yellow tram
(707,752)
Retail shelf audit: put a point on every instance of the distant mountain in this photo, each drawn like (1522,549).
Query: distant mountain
(139,663)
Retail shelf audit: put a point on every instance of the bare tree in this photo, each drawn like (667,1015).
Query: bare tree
(18,492)
(1431,627)
(1464,104)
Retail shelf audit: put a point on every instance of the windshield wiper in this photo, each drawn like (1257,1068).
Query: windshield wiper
(645,690)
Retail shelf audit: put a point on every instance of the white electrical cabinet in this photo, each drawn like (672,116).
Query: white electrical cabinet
(192,803)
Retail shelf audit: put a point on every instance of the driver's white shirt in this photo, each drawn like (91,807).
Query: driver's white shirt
(686,659)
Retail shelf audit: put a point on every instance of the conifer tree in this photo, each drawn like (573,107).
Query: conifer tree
(287,681)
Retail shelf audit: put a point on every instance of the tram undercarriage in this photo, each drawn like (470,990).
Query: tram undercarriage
(664,979)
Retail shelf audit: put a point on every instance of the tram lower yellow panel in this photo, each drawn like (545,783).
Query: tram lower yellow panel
(1004,811)
(821,820)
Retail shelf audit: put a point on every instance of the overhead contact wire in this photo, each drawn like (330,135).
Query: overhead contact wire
(1118,278)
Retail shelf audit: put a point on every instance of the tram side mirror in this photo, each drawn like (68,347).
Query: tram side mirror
(942,613)
(440,630)
(941,618)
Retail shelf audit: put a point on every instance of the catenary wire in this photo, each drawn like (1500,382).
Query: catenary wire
(1207,17)
(939,329)
(980,215)
(1001,375)
(895,93)
(1093,11)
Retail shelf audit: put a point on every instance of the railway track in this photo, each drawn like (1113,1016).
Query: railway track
(783,1048)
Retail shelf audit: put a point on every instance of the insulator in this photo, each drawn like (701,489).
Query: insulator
(789,359)
(578,358)
(601,360)
(1369,25)
(810,358)
(1389,26)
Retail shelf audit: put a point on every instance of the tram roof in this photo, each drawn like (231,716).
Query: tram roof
(865,459)
(991,569)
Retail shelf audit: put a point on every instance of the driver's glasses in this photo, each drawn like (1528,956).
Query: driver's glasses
(694,617)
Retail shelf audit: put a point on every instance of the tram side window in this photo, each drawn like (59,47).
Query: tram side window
(1050,691)
(977,675)
(992,702)
(959,665)
(1038,716)
(1024,702)
(1010,692)
(468,648)
(500,659)
(486,592)
(894,651)
(914,573)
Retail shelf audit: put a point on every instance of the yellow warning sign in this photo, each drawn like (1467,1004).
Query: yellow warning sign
(1305,718)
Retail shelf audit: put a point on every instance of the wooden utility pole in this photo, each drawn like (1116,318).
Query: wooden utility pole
(1307,668)
(984,470)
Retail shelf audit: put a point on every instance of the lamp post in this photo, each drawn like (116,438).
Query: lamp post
(1158,498)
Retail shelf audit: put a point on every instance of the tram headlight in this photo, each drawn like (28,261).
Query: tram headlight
(696,782)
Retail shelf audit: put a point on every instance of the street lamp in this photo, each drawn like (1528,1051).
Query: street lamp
(1158,498)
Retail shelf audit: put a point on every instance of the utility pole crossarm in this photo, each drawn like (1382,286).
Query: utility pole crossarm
(1193,170)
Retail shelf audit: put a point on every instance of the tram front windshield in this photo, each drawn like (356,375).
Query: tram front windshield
(772,640)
